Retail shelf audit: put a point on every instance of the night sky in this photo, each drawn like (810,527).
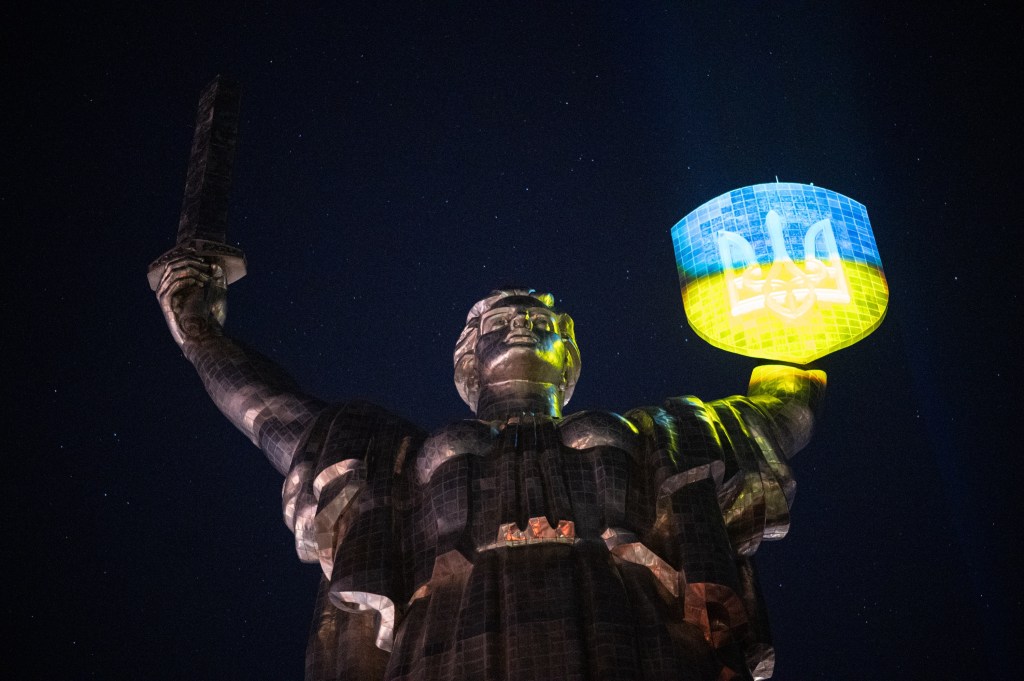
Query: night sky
(396,165)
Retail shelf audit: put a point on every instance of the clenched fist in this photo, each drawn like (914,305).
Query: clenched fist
(193,297)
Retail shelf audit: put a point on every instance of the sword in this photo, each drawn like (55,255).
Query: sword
(202,227)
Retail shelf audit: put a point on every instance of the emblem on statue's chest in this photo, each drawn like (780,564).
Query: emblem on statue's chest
(538,530)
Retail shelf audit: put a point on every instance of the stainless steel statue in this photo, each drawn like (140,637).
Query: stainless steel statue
(520,544)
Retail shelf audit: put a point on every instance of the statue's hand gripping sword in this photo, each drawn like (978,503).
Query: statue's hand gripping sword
(202,227)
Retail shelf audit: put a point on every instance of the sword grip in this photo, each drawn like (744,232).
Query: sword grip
(195,317)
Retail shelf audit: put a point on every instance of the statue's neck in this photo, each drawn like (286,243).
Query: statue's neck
(499,401)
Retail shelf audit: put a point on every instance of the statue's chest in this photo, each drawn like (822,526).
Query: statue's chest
(531,480)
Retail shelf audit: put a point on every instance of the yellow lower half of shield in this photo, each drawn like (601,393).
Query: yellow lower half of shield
(791,311)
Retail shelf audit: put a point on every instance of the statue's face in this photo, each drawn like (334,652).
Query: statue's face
(519,339)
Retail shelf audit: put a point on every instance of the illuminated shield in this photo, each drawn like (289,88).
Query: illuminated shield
(781,271)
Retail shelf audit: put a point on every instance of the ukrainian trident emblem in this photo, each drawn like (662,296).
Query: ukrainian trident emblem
(781,271)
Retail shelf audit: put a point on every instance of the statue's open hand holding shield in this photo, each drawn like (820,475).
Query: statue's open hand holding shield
(193,297)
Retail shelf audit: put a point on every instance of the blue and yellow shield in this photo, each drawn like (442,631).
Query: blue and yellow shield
(781,271)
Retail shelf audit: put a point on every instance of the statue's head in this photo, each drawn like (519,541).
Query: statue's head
(516,334)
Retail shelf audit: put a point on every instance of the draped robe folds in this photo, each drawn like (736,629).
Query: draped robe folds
(596,546)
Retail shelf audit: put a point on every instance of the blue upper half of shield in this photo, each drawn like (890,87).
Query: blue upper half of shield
(743,213)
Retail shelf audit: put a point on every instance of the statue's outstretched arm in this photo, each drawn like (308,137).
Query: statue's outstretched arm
(253,392)
(791,398)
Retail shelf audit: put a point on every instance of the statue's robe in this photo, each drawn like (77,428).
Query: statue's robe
(596,546)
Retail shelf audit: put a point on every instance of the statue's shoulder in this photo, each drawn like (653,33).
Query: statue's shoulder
(679,424)
(343,424)
(673,413)
(586,429)
(364,417)
(469,436)
(358,429)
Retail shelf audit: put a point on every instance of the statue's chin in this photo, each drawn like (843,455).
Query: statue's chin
(524,365)
(518,382)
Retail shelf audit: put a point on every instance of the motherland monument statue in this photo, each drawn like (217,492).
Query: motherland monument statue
(522,542)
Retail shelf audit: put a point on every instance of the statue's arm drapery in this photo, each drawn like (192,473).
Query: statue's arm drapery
(760,433)
(256,395)
(722,485)
(743,443)
(339,499)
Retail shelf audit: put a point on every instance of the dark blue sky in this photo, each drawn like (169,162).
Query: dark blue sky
(393,167)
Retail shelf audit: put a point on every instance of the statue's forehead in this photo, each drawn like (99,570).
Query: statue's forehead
(509,305)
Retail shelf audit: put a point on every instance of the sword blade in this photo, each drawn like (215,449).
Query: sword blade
(204,208)
(202,226)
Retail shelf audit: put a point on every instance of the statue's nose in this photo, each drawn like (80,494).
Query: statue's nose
(522,321)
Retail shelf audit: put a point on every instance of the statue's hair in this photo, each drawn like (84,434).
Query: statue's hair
(465,347)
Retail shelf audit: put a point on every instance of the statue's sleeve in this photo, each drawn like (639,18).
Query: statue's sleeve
(339,500)
(715,478)
(759,434)
(741,444)
(678,479)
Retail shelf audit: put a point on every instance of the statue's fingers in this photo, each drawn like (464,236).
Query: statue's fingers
(170,273)
(176,286)
(199,274)
(188,258)
(185,272)
(218,275)
(186,263)
(196,268)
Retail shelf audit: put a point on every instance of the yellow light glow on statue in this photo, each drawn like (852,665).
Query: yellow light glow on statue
(781,271)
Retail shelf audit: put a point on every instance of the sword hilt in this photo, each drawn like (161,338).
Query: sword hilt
(231,259)
(194,318)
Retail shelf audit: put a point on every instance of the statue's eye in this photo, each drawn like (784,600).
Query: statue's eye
(542,322)
(494,323)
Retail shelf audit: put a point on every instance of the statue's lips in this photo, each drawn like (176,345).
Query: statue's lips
(521,339)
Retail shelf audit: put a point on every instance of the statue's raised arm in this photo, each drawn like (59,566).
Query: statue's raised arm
(254,393)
